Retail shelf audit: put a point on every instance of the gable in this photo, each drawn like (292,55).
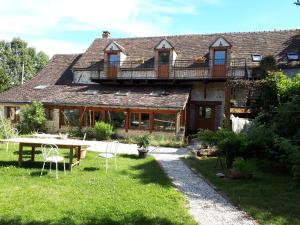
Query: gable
(113,46)
(220,42)
(164,44)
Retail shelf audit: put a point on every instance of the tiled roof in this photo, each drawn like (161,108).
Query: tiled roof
(59,90)
(276,43)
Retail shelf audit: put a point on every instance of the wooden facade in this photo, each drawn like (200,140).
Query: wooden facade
(179,115)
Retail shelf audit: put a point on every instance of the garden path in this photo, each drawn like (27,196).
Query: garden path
(206,205)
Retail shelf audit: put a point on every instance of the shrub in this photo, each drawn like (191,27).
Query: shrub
(260,138)
(33,118)
(233,146)
(296,172)
(104,131)
(90,133)
(243,166)
(6,129)
(230,144)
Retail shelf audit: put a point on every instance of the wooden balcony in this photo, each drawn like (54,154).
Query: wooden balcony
(183,70)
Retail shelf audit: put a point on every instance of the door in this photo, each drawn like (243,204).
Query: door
(205,117)
(219,63)
(163,65)
(113,64)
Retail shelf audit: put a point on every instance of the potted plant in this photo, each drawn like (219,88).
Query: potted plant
(143,142)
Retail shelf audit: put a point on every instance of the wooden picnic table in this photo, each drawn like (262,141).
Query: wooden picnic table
(71,144)
(46,135)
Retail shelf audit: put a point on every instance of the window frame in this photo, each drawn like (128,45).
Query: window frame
(164,130)
(139,127)
(290,54)
(255,59)
(62,117)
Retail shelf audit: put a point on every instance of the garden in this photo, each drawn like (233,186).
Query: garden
(259,168)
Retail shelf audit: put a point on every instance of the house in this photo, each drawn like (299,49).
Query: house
(174,84)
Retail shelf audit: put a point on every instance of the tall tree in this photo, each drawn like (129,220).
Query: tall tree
(15,55)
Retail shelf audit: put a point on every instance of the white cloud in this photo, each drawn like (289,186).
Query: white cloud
(38,19)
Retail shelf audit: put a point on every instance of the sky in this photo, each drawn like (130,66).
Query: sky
(70,26)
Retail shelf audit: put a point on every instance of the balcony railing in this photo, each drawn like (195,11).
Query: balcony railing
(178,70)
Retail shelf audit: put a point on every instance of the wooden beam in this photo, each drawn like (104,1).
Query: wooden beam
(227,101)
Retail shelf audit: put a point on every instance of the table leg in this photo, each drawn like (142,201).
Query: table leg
(32,153)
(71,158)
(20,154)
(78,154)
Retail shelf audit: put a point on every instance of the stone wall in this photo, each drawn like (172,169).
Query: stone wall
(53,125)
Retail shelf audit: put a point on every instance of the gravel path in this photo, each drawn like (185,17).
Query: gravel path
(206,205)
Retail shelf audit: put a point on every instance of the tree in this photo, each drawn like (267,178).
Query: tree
(13,56)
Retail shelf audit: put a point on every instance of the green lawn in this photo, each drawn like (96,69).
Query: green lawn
(138,192)
(269,198)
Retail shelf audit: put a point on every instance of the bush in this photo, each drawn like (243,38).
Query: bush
(243,166)
(104,131)
(6,129)
(230,144)
(33,118)
(296,172)
(233,146)
(90,133)
(261,139)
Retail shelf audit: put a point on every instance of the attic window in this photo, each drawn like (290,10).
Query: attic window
(256,57)
(40,87)
(90,92)
(121,93)
(293,57)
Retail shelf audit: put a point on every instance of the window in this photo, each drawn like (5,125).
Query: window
(13,113)
(139,120)
(49,114)
(205,112)
(134,120)
(220,57)
(91,117)
(293,57)
(165,122)
(71,117)
(256,57)
(164,58)
(117,119)
(114,59)
(145,120)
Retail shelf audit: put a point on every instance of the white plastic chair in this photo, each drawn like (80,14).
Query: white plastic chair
(51,154)
(110,153)
(14,134)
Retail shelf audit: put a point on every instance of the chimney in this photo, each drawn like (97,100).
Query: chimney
(105,34)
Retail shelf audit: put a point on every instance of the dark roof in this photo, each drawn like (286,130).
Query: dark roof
(57,76)
(276,43)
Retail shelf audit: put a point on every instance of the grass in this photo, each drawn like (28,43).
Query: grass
(270,198)
(138,192)
(157,140)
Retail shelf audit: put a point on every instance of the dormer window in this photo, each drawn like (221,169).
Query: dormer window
(114,57)
(219,53)
(165,57)
(256,57)
(292,57)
